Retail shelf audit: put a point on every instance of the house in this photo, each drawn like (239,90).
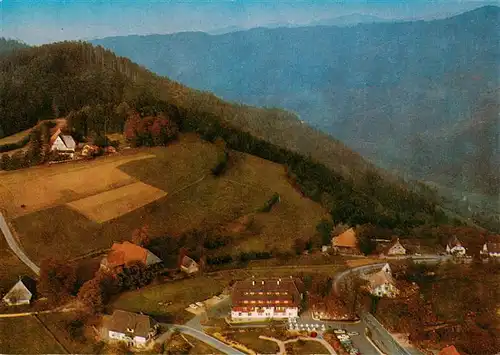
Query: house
(454,247)
(394,249)
(449,350)
(264,299)
(346,242)
(125,253)
(188,265)
(382,284)
(491,249)
(134,329)
(62,144)
(23,292)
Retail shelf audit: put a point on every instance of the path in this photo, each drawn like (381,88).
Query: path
(15,247)
(25,314)
(215,343)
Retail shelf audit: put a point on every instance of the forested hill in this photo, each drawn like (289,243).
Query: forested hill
(382,89)
(53,80)
(91,87)
(9,45)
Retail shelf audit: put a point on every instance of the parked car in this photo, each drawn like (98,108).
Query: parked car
(339,331)
(352,333)
(199,304)
(193,306)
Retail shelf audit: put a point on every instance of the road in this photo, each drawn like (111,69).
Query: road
(215,343)
(15,247)
(380,335)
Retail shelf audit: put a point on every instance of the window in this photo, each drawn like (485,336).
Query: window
(253,302)
(252,293)
(246,293)
(277,293)
(245,301)
(285,301)
(261,293)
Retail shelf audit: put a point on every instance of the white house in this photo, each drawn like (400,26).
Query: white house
(62,144)
(455,248)
(134,329)
(21,293)
(188,265)
(395,248)
(491,249)
(266,299)
(382,284)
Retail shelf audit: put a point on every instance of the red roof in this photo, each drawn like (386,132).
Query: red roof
(125,253)
(266,292)
(449,350)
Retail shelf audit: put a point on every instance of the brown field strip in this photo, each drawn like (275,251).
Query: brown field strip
(43,187)
(362,262)
(115,203)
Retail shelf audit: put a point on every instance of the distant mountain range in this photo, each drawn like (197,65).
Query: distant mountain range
(384,89)
(346,20)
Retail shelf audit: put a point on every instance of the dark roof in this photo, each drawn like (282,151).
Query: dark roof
(493,247)
(131,323)
(29,283)
(269,292)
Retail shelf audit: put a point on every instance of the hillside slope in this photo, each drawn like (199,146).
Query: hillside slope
(96,91)
(372,86)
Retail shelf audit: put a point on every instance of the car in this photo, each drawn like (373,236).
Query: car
(339,331)
(193,306)
(199,304)
(418,254)
(352,333)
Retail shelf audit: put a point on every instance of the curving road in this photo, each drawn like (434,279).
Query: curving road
(15,247)
(215,343)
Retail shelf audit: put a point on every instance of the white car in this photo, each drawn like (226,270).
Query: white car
(352,333)
(193,306)
(199,304)
(339,331)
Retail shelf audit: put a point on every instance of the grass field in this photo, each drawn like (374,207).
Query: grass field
(26,335)
(305,347)
(201,347)
(43,187)
(181,293)
(58,325)
(251,340)
(115,203)
(15,137)
(86,206)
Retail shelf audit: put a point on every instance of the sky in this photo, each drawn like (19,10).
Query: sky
(46,21)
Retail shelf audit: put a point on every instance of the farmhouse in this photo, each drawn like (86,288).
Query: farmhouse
(382,284)
(346,242)
(454,247)
(62,144)
(264,299)
(134,329)
(395,248)
(491,249)
(122,254)
(22,292)
(188,265)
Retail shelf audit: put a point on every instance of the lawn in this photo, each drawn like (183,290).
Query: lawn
(201,347)
(303,347)
(181,293)
(194,199)
(26,335)
(15,137)
(251,340)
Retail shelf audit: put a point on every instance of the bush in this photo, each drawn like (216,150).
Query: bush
(269,204)
(221,166)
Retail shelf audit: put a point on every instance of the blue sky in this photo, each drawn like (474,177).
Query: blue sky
(44,21)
